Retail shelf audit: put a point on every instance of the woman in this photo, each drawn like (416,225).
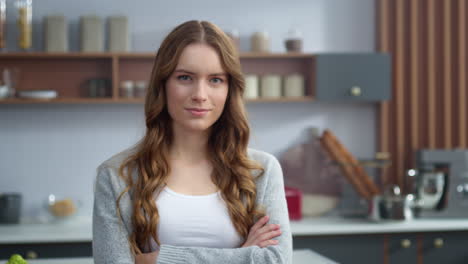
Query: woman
(191,191)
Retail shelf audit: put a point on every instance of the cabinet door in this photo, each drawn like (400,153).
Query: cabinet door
(347,249)
(352,77)
(49,250)
(402,248)
(447,248)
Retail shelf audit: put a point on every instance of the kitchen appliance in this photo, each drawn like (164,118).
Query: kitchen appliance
(440,184)
(392,205)
(10,208)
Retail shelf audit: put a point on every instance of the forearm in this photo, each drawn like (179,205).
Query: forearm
(197,255)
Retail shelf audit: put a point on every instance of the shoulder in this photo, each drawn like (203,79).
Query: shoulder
(265,159)
(108,170)
(117,159)
(271,181)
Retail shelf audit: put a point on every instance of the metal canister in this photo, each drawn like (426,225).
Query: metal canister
(10,208)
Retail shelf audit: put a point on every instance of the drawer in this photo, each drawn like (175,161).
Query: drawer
(347,249)
(49,250)
(447,247)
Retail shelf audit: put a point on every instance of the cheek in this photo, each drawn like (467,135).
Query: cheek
(175,93)
(221,96)
(173,98)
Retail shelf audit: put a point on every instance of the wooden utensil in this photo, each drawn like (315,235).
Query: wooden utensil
(350,167)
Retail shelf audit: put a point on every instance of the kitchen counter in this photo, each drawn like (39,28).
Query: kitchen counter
(342,226)
(302,256)
(81,230)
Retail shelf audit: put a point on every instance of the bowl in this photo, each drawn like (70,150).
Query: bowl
(62,208)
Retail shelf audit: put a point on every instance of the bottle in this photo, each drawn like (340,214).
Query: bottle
(2,24)
(24,23)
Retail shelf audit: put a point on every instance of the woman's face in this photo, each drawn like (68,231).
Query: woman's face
(197,89)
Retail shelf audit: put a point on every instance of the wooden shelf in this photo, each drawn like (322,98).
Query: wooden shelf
(60,101)
(129,100)
(138,55)
(56,55)
(283,99)
(70,73)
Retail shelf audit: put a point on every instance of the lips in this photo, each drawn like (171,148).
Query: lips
(198,111)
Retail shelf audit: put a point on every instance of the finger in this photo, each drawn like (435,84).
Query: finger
(267,228)
(268,243)
(270,235)
(260,223)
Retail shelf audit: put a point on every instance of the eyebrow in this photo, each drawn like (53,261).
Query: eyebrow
(189,72)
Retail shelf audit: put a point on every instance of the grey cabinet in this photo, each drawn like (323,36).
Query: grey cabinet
(450,248)
(47,250)
(402,248)
(347,249)
(354,77)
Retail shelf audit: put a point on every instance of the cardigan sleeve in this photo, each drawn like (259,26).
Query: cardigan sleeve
(275,203)
(110,237)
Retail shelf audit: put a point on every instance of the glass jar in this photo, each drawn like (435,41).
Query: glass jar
(24,23)
(2,24)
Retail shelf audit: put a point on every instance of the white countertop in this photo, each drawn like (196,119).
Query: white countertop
(80,230)
(301,256)
(342,226)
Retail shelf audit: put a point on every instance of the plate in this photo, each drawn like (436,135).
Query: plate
(39,94)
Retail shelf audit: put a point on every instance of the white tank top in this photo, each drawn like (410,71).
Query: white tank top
(194,221)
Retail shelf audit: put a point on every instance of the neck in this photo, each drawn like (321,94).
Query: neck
(189,146)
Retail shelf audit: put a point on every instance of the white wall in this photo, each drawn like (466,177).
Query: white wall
(56,148)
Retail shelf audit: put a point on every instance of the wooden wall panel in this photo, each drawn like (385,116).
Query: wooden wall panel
(428,43)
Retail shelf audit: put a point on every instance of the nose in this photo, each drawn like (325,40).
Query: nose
(199,92)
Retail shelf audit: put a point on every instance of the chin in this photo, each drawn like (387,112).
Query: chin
(197,125)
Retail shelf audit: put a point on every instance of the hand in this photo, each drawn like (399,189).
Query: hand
(147,258)
(261,234)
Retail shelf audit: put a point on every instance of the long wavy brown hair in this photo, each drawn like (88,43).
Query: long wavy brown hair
(233,172)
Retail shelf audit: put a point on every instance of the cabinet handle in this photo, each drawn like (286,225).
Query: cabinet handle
(356,91)
(31,255)
(405,243)
(438,243)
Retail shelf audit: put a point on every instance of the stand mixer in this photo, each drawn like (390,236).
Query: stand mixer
(440,185)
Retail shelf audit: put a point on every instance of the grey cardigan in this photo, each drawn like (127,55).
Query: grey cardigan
(110,237)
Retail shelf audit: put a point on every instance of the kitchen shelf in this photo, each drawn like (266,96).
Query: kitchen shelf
(68,73)
(146,55)
(129,100)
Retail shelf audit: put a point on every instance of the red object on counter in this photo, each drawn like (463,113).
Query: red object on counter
(294,201)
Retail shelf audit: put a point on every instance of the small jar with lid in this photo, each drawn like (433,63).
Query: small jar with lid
(293,41)
(294,85)
(260,42)
(270,86)
(251,86)
(126,89)
(140,88)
